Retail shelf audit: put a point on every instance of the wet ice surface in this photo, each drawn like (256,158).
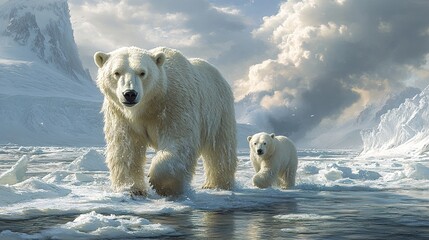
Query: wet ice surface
(65,194)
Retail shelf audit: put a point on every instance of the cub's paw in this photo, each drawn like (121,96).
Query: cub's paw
(261,181)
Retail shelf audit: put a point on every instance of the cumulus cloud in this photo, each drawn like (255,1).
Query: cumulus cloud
(220,34)
(330,56)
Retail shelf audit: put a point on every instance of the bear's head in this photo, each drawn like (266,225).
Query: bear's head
(130,76)
(262,144)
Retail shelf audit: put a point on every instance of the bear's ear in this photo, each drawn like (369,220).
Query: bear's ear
(159,59)
(249,138)
(272,135)
(100,58)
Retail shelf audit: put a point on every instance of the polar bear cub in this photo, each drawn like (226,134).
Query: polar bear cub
(274,159)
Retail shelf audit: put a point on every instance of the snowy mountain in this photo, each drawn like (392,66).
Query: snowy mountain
(45,28)
(46,96)
(401,131)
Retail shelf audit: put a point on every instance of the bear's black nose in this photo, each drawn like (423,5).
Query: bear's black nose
(130,96)
(259,151)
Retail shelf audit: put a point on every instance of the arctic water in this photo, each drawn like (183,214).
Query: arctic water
(64,193)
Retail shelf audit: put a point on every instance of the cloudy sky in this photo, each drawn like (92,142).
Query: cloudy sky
(216,30)
(292,64)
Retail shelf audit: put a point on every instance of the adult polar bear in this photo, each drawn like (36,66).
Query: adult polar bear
(274,159)
(182,108)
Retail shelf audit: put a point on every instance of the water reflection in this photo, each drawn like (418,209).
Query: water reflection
(319,215)
(301,215)
(218,225)
(251,223)
(260,224)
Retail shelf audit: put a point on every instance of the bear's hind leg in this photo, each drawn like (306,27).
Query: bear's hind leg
(289,177)
(219,165)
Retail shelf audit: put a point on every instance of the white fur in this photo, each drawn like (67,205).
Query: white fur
(184,109)
(276,162)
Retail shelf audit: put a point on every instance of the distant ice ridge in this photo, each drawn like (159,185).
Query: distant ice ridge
(401,131)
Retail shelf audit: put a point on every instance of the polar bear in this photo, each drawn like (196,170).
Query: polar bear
(182,108)
(274,159)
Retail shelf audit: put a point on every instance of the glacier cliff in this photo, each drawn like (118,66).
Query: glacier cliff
(401,131)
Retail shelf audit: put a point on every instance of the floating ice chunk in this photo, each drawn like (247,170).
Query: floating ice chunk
(310,169)
(56,176)
(10,195)
(59,177)
(30,189)
(394,176)
(332,174)
(302,217)
(9,235)
(367,175)
(33,150)
(25,149)
(90,161)
(335,172)
(37,151)
(41,189)
(347,172)
(93,226)
(417,171)
(16,173)
(79,177)
(92,221)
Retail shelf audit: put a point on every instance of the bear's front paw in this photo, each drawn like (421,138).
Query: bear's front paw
(166,185)
(208,185)
(261,181)
(220,184)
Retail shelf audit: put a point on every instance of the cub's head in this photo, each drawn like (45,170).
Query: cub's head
(261,144)
(129,75)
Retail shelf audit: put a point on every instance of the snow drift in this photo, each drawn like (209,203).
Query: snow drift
(401,131)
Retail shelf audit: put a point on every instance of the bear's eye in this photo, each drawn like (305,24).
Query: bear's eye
(142,74)
(254,143)
(117,74)
(265,143)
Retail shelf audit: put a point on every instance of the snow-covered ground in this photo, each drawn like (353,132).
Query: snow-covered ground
(64,193)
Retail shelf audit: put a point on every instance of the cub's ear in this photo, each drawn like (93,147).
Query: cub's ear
(159,59)
(272,135)
(249,138)
(100,58)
